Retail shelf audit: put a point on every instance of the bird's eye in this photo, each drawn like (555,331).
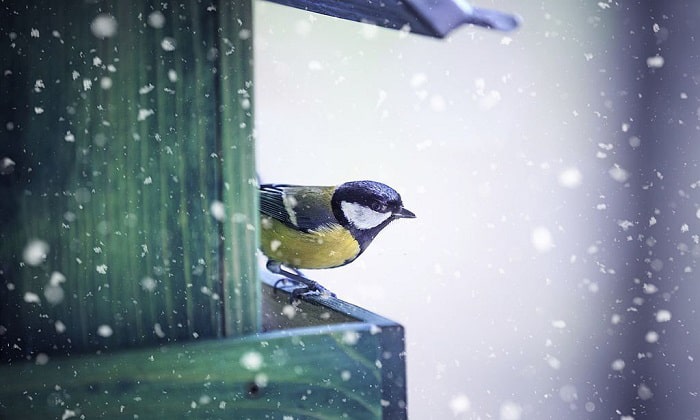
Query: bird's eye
(376,206)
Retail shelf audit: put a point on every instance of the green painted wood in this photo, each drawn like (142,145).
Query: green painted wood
(324,372)
(122,124)
(349,363)
(325,312)
(116,152)
(274,374)
(240,229)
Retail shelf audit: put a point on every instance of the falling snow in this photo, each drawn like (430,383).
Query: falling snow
(145,89)
(217,211)
(105,331)
(553,362)
(158,330)
(663,315)
(168,44)
(148,284)
(542,239)
(289,311)
(459,404)
(41,359)
(30,297)
(106,83)
(655,62)
(68,414)
(644,392)
(144,113)
(315,65)
(510,411)
(252,360)
(559,324)
(35,252)
(617,365)
(650,289)
(54,294)
(651,337)
(104,26)
(39,86)
(156,19)
(618,174)
(570,178)
(172,76)
(60,327)
(7,166)
(350,338)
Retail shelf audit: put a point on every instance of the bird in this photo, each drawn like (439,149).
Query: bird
(319,227)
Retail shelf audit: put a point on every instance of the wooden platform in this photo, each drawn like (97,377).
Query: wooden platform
(324,358)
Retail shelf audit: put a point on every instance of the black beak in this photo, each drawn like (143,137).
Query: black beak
(404,214)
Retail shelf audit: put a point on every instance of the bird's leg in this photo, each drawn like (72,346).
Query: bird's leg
(295,276)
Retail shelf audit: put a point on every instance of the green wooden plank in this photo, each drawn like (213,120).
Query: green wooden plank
(319,373)
(235,122)
(346,363)
(280,314)
(124,124)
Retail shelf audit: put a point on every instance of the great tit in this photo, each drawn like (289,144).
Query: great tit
(312,227)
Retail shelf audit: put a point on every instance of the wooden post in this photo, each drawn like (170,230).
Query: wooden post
(128,192)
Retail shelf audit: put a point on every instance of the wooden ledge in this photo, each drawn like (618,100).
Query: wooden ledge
(324,358)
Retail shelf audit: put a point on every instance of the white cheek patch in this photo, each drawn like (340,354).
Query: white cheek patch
(363,217)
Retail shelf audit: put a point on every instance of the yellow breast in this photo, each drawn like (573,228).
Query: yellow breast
(324,248)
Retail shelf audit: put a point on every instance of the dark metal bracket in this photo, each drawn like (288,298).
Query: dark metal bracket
(435,18)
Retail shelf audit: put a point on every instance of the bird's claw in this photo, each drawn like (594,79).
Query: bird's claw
(276,285)
(305,288)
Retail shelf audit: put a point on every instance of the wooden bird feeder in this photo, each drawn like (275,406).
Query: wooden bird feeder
(129,282)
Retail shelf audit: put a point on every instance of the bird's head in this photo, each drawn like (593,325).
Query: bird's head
(366,207)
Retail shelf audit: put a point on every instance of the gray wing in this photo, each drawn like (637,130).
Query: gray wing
(301,207)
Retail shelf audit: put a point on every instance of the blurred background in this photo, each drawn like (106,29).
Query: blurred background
(554,171)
